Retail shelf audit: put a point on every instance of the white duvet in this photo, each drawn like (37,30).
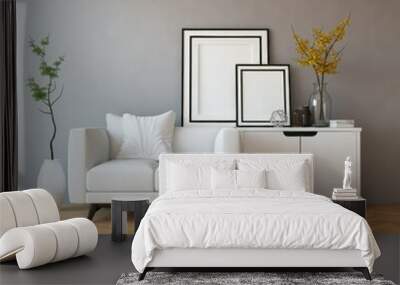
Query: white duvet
(250,219)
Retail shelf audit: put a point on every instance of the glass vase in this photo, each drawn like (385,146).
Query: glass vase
(320,104)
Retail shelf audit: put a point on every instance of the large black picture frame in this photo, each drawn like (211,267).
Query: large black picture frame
(256,37)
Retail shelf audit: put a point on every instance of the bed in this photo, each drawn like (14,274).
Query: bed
(247,210)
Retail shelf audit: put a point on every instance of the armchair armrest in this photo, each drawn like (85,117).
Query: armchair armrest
(86,149)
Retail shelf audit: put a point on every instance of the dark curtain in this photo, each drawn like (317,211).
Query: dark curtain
(8,97)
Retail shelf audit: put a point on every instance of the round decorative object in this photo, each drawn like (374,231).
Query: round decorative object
(52,178)
(278,118)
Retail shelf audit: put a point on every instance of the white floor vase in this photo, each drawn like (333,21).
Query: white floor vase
(52,178)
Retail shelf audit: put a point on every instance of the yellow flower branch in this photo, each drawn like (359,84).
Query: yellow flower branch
(321,55)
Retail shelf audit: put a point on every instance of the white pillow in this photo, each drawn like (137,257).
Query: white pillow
(237,179)
(115,133)
(282,174)
(183,176)
(251,178)
(147,137)
(293,178)
(223,179)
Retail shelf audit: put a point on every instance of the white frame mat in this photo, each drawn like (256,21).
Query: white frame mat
(209,57)
(260,90)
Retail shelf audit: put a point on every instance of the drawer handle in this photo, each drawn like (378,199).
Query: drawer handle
(300,134)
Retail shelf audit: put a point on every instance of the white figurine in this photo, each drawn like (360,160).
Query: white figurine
(347,174)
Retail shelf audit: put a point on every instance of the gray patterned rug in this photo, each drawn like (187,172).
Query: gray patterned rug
(269,278)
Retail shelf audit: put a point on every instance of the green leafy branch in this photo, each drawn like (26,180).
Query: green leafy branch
(46,93)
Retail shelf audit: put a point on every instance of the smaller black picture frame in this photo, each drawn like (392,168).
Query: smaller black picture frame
(281,68)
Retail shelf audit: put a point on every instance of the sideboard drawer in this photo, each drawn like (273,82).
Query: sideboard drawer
(269,142)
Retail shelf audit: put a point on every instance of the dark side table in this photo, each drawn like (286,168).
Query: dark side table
(358,206)
(119,209)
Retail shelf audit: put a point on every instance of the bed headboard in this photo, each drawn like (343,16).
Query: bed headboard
(166,159)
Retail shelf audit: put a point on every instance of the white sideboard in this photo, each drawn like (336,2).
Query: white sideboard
(330,147)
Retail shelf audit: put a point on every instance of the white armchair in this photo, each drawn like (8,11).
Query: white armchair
(31,233)
(93,178)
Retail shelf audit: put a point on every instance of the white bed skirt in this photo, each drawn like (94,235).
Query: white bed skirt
(189,257)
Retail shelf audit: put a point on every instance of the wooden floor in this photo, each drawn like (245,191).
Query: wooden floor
(102,219)
(383,219)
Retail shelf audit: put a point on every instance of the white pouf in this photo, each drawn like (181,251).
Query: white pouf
(31,232)
(41,244)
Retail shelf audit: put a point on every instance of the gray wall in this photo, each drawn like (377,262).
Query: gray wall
(124,56)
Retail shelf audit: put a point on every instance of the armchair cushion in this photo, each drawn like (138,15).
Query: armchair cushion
(123,175)
(147,136)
